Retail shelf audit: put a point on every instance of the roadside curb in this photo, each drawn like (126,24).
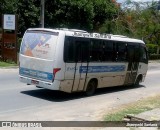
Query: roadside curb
(154,61)
(10,67)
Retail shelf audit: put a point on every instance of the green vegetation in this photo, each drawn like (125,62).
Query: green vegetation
(79,14)
(152,48)
(134,108)
(134,19)
(7,64)
(154,56)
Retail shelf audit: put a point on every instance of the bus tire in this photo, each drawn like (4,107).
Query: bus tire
(91,88)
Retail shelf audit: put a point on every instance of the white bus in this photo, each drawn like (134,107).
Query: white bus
(72,60)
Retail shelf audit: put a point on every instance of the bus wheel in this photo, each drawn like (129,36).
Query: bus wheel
(91,88)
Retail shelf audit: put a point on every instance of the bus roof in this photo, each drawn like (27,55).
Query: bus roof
(85,34)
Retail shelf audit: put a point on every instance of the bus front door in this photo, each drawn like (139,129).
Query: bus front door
(81,65)
(133,63)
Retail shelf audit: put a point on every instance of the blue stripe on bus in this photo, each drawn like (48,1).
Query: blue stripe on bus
(36,74)
(100,69)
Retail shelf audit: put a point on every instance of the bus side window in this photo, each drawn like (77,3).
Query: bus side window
(143,55)
(96,50)
(85,51)
(121,51)
(130,52)
(81,50)
(69,50)
(137,53)
(108,51)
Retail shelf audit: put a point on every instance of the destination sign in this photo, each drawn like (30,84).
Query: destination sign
(92,35)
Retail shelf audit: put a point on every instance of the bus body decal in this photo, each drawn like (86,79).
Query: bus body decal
(36,74)
(96,69)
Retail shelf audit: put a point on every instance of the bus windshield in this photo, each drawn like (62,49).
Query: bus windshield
(39,44)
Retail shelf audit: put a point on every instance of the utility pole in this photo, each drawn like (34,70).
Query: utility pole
(42,13)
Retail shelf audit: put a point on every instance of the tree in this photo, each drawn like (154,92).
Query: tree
(82,14)
(138,20)
(151,26)
(8,6)
(29,14)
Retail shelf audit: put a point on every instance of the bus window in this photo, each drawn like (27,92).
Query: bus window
(82,50)
(69,50)
(137,53)
(76,50)
(121,51)
(130,52)
(108,51)
(96,51)
(85,51)
(143,55)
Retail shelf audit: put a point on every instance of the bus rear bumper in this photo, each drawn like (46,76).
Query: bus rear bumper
(48,85)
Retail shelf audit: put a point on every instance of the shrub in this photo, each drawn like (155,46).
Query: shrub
(154,56)
(152,48)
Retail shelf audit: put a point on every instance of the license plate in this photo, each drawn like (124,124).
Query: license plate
(34,82)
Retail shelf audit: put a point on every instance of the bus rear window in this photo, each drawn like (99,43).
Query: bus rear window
(39,44)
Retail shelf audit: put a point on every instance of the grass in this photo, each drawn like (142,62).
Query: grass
(7,64)
(134,108)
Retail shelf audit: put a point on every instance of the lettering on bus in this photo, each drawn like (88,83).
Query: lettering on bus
(72,68)
(102,69)
(92,35)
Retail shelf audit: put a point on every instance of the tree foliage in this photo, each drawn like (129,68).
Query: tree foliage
(134,19)
(80,14)
(27,10)
(139,20)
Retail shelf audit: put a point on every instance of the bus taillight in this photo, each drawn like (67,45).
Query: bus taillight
(55,70)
